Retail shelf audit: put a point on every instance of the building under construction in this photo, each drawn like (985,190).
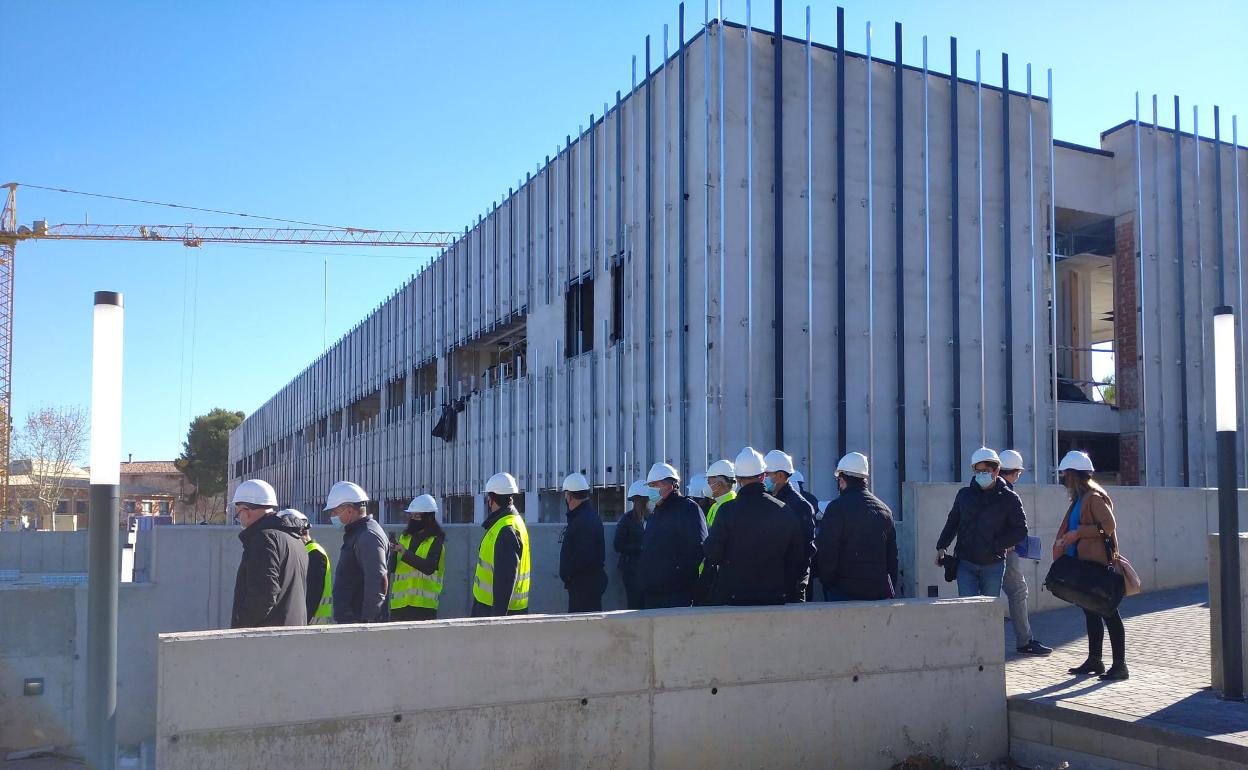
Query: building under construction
(778,242)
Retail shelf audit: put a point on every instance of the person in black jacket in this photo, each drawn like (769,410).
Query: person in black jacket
(270,588)
(987,520)
(629,532)
(778,467)
(857,539)
(362,577)
(582,550)
(757,547)
(799,481)
(671,547)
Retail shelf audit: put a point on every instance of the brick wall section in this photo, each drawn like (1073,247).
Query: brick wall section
(1126,344)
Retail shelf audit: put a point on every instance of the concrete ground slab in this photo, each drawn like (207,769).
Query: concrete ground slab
(1165,715)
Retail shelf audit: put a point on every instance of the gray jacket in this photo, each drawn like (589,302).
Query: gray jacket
(361,577)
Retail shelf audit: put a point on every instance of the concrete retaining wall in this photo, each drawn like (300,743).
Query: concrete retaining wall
(1163,531)
(44,552)
(670,688)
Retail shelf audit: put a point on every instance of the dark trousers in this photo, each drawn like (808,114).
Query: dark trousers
(654,601)
(1096,635)
(582,600)
(403,614)
(632,586)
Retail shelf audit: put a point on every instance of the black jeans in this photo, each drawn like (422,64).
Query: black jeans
(632,585)
(404,614)
(1096,635)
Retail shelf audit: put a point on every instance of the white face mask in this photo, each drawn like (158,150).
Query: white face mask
(984,479)
(337,522)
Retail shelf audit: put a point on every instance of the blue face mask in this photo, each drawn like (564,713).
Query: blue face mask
(769,485)
(653,494)
(337,522)
(984,479)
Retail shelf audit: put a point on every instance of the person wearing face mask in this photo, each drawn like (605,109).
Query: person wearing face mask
(319,593)
(986,520)
(857,539)
(757,549)
(1014,582)
(779,471)
(501,581)
(629,533)
(270,588)
(582,549)
(419,564)
(671,547)
(362,578)
(720,478)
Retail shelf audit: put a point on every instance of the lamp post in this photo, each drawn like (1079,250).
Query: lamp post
(1228,502)
(103,569)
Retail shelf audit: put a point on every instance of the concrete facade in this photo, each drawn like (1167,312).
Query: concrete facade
(665,211)
(620,690)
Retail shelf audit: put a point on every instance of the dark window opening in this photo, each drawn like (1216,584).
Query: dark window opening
(425,382)
(617,300)
(458,509)
(362,414)
(322,427)
(579,317)
(396,401)
(335,422)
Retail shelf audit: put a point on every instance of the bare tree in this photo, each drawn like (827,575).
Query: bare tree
(53,440)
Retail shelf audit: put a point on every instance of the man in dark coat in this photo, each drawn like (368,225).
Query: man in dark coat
(987,519)
(362,576)
(270,587)
(757,547)
(778,468)
(671,548)
(857,539)
(583,549)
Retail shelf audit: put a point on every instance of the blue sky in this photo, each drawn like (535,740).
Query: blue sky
(404,115)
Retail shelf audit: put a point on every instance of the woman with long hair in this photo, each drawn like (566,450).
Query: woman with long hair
(419,564)
(1089,533)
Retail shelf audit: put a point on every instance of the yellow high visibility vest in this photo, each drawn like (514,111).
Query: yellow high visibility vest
(483,582)
(413,588)
(324,610)
(711,514)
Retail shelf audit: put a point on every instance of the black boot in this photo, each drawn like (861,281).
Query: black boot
(1089,666)
(1116,672)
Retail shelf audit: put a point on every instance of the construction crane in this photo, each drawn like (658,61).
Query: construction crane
(190,236)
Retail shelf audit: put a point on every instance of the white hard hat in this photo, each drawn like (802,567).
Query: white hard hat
(796,477)
(502,484)
(255,492)
(345,492)
(576,482)
(721,468)
(985,455)
(662,471)
(749,464)
(854,464)
(423,504)
(1076,461)
(1011,461)
(638,489)
(698,486)
(778,461)
(293,517)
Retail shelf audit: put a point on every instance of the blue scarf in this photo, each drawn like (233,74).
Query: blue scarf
(1073,549)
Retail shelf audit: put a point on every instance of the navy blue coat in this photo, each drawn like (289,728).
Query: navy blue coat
(798,506)
(671,548)
(759,548)
(583,551)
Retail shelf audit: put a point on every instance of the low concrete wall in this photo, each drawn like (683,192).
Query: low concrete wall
(1161,530)
(1215,607)
(720,688)
(44,552)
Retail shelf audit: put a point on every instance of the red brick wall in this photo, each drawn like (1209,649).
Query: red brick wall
(1126,344)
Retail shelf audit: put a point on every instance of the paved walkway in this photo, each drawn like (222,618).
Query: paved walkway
(1167,654)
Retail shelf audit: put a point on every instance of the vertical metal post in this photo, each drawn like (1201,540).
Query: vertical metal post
(1228,502)
(927,274)
(1239,278)
(1033,293)
(1007,222)
(719,87)
(682,250)
(979,218)
(103,558)
(663,283)
(1053,267)
(810,257)
(955,257)
(1160,356)
(778,220)
(841,395)
(870,258)
(649,286)
(1139,294)
(706,230)
(1200,299)
(899,138)
(749,225)
(1182,270)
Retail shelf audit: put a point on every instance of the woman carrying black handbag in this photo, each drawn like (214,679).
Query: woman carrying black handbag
(1088,533)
